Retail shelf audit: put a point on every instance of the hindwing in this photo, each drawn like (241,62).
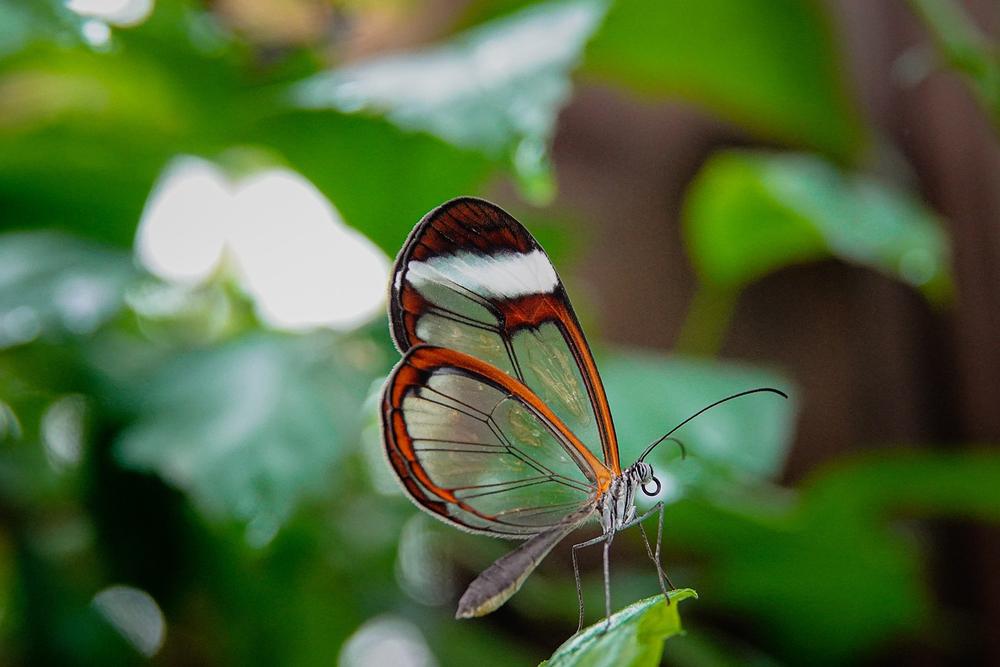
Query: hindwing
(478,448)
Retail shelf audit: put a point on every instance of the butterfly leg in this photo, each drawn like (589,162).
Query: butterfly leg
(607,581)
(655,556)
(576,575)
(659,541)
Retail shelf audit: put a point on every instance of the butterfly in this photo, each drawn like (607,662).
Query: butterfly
(495,420)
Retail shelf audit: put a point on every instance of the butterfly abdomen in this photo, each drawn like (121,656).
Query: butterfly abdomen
(504,577)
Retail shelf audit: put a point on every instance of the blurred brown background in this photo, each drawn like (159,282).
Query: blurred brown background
(878,366)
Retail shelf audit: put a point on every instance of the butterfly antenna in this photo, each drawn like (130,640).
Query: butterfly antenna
(666,436)
(680,445)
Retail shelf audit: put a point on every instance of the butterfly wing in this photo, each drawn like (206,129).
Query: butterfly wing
(471,278)
(479,449)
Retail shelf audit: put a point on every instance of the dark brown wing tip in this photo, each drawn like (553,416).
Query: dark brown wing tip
(477,206)
(472,223)
(467,200)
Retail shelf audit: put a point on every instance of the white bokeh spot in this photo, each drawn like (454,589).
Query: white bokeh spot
(387,640)
(289,246)
(135,615)
(117,12)
(183,229)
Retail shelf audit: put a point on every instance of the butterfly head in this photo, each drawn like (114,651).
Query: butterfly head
(642,473)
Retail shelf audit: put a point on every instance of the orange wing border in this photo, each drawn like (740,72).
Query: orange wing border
(413,371)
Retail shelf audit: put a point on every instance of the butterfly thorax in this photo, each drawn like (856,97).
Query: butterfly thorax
(616,507)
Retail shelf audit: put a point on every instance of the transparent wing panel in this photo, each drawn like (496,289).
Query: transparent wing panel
(480,341)
(493,454)
(550,370)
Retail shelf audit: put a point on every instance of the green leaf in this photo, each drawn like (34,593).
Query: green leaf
(496,88)
(54,285)
(747,438)
(251,427)
(634,638)
(769,65)
(748,214)
(380,178)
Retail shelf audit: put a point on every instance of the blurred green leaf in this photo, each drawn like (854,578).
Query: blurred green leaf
(380,178)
(58,626)
(908,483)
(15,27)
(769,65)
(745,439)
(93,184)
(699,647)
(54,285)
(84,133)
(51,85)
(748,214)
(476,644)
(249,428)
(965,48)
(634,638)
(22,23)
(496,88)
(83,136)
(838,573)
(477,12)
(306,575)
(42,441)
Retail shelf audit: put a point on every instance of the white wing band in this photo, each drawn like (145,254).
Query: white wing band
(504,276)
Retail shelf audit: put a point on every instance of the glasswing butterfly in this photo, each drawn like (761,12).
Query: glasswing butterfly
(495,419)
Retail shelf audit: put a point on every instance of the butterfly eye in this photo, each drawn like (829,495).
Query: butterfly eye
(654,491)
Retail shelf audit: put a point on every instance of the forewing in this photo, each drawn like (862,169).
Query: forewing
(471,278)
(480,450)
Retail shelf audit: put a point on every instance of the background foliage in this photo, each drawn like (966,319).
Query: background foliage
(187,479)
